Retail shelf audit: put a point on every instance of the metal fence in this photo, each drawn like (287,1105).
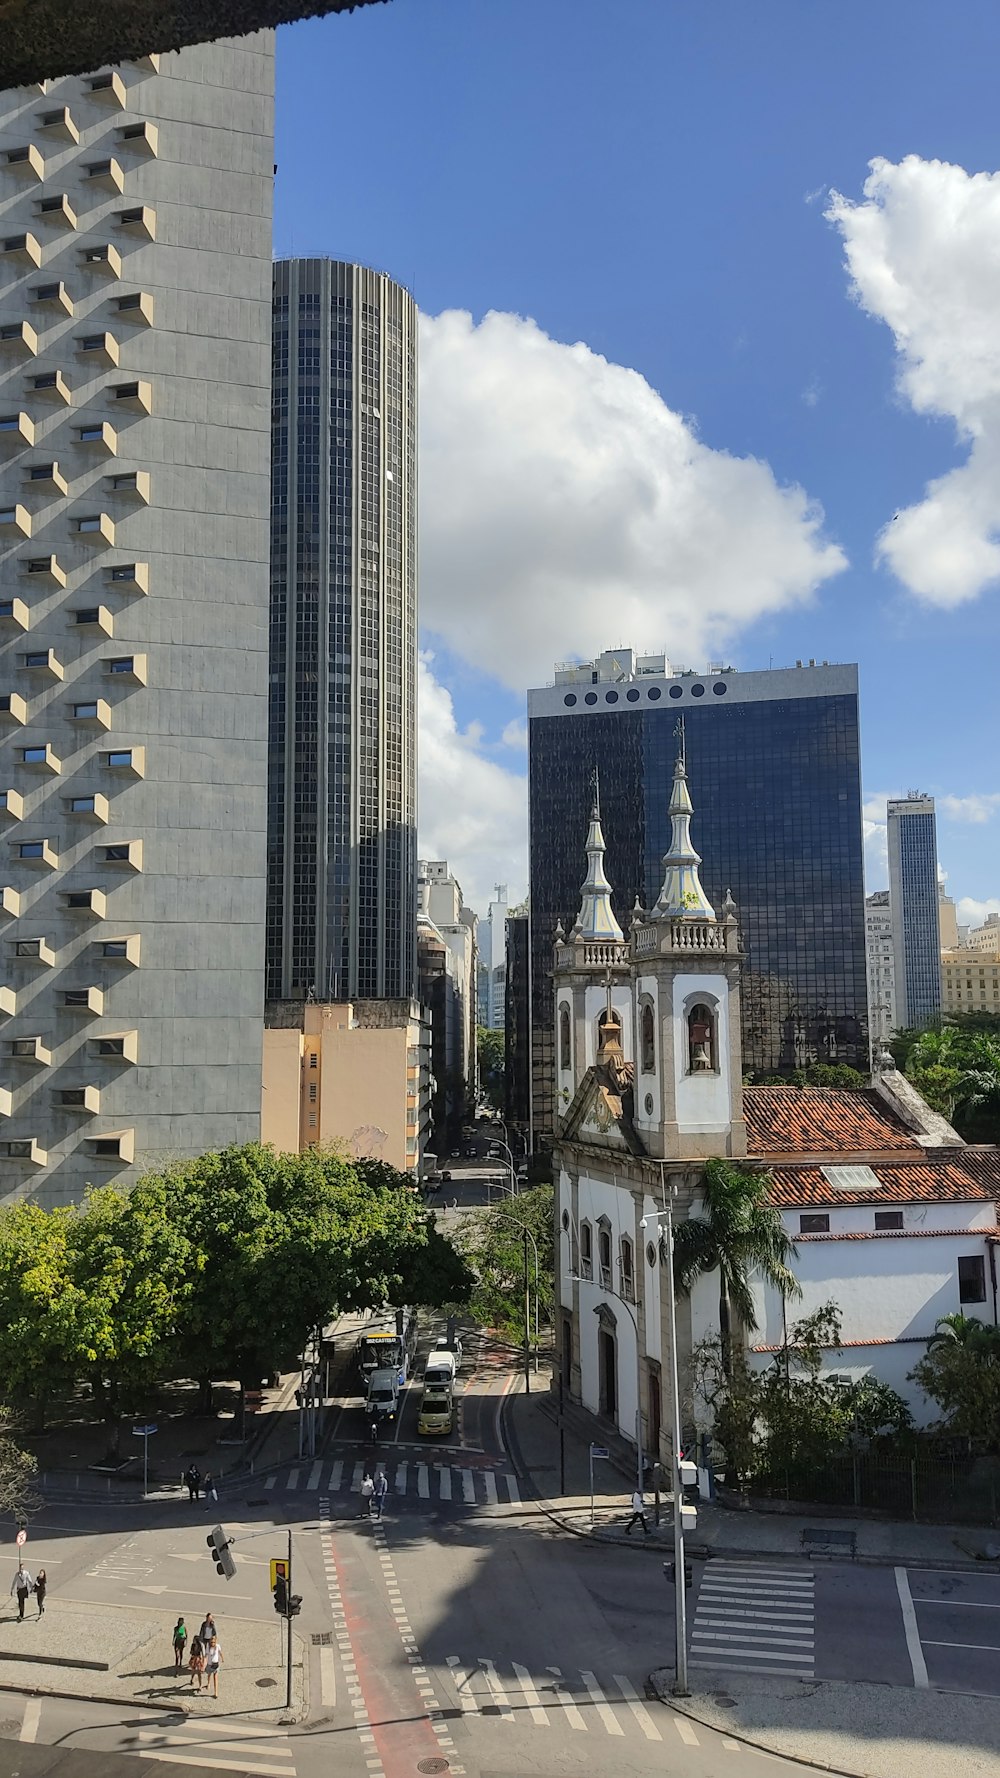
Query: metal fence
(936,1489)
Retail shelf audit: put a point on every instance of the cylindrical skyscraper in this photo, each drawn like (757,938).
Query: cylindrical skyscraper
(342,724)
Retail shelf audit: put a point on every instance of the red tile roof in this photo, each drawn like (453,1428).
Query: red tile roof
(831,1121)
(943,1178)
(900,1235)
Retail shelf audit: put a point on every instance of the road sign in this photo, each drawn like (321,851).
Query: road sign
(599,1451)
(144,1431)
(21,1538)
(278,1567)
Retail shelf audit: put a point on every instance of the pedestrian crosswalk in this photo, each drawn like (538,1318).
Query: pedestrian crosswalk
(459,1484)
(255,1750)
(551,1698)
(753,1618)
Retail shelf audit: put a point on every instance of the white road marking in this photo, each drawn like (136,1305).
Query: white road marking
(468,1486)
(499,1695)
(531,1697)
(337,1474)
(601,1705)
(401,1470)
(327,1677)
(423,1482)
(715,1643)
(564,1698)
(269,1481)
(357,1477)
(293,1479)
(490,1482)
(637,1707)
(513,1490)
(29,1721)
(253,1731)
(959,1604)
(917,1663)
(462,1681)
(312,1480)
(930,1642)
(444,1482)
(685,1731)
(756,1632)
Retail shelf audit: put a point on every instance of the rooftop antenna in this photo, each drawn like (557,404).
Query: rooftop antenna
(597,790)
(681,744)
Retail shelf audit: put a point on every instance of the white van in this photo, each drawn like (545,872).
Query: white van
(382,1399)
(439,1372)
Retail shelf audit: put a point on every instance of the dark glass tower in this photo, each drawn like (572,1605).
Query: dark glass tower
(914,908)
(343,650)
(773,764)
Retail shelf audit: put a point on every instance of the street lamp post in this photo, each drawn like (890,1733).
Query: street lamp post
(528,1236)
(680,1686)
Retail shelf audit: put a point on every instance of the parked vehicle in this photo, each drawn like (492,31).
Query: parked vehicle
(440,1370)
(437,1412)
(382,1398)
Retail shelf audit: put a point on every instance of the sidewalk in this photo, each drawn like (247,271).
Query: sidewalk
(129,1659)
(533,1438)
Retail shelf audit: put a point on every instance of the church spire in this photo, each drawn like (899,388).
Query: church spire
(596,918)
(682,895)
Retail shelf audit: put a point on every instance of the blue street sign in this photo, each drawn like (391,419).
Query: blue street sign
(144,1431)
(599,1451)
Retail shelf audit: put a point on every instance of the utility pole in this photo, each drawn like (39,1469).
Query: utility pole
(527,1319)
(288,1629)
(680,1687)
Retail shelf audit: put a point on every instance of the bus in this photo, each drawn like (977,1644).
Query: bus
(388,1342)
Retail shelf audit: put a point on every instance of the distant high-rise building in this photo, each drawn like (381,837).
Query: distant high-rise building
(987,936)
(970,979)
(773,761)
(134,340)
(440,899)
(517,1034)
(881,967)
(913,901)
(948,920)
(341,831)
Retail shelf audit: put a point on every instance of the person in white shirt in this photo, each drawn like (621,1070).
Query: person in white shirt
(213,1661)
(21,1584)
(638,1512)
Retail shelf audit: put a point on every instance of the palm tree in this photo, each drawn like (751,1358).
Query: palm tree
(978,1337)
(739,1234)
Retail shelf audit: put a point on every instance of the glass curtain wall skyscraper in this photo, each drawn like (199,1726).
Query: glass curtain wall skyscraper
(342,710)
(773,764)
(913,900)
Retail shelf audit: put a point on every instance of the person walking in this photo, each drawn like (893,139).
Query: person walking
(213,1661)
(209,1488)
(192,1477)
(196,1662)
(381,1489)
(21,1584)
(367,1495)
(638,1512)
(373,1430)
(41,1588)
(180,1641)
(207,1630)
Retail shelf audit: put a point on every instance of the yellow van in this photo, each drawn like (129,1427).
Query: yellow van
(437,1412)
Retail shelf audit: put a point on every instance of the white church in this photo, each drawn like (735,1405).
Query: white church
(893,1216)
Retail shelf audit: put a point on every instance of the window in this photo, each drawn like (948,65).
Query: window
(124,664)
(24,1046)
(82,805)
(565,1055)
(701,1040)
(609,1029)
(814,1224)
(888,1219)
(628,1269)
(972,1279)
(28,947)
(37,659)
(110,1046)
(92,523)
(32,849)
(604,1254)
(91,435)
(20,1151)
(121,757)
(647,1039)
(34,756)
(132,301)
(76,997)
(586,1250)
(78,898)
(73,1096)
(89,614)
(116,854)
(92,342)
(84,711)
(115,947)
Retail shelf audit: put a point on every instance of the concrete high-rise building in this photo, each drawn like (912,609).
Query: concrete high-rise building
(441,901)
(881,968)
(341,840)
(134,439)
(987,936)
(493,961)
(773,760)
(948,920)
(913,900)
(970,979)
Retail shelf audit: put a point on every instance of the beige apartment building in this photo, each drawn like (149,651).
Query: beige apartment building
(970,980)
(352,1072)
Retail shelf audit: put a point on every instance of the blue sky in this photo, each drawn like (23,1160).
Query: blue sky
(653,181)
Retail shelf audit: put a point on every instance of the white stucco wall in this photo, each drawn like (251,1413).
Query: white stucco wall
(597,1198)
(565,1077)
(703,1100)
(648,1085)
(651,1282)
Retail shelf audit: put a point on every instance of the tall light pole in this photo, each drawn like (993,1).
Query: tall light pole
(680,1686)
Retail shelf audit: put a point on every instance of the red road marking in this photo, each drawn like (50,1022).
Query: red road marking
(403,1734)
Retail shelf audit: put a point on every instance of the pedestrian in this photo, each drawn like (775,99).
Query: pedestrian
(207,1630)
(21,1584)
(638,1512)
(367,1495)
(381,1490)
(213,1661)
(180,1641)
(192,1477)
(373,1430)
(209,1488)
(41,1587)
(196,1662)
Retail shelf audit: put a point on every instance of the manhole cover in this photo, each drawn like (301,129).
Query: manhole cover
(723,1702)
(432,1765)
(265,1682)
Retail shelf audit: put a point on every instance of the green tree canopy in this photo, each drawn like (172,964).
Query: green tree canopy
(960,1371)
(492,1050)
(492,1244)
(738,1234)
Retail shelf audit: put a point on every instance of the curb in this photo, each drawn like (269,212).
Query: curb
(683,1708)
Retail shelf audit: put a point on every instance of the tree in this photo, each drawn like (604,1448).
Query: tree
(738,1235)
(19,1494)
(492,1244)
(40,1305)
(960,1371)
(492,1050)
(957,1069)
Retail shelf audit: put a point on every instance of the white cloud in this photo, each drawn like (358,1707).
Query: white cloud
(876,848)
(973,913)
(975,809)
(564,506)
(923,251)
(473,812)
(516,735)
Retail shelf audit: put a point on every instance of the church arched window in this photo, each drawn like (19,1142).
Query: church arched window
(647,1038)
(609,1028)
(565,1053)
(701,1039)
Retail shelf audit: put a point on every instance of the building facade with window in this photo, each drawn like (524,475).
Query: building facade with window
(134,438)
(890,1208)
(341,826)
(913,898)
(775,774)
(881,968)
(970,980)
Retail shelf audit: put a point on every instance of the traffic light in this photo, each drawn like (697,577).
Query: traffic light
(670,1570)
(219,1543)
(281,1596)
(295,1604)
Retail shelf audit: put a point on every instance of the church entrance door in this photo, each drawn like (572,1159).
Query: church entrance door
(607,1360)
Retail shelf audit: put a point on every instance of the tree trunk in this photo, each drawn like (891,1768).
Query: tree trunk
(205,1400)
(725,1332)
